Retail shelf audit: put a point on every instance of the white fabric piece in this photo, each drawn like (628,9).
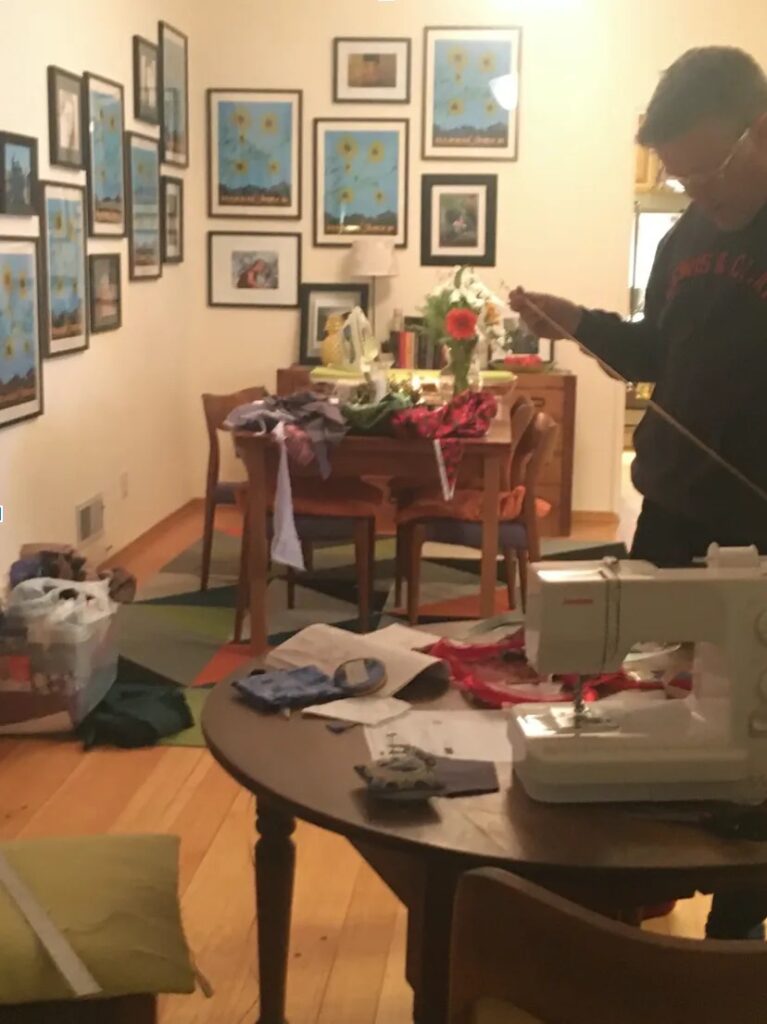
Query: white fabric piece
(361,710)
(286,547)
(448,489)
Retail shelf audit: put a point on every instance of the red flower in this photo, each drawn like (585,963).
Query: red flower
(461,324)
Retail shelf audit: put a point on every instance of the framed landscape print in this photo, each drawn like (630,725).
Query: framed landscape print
(172,219)
(18,187)
(103,139)
(105,292)
(361,177)
(21,379)
(142,167)
(66,289)
(65,118)
(146,71)
(320,302)
(462,119)
(371,70)
(254,153)
(458,219)
(253,269)
(174,95)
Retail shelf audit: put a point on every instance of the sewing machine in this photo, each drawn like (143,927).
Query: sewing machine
(585,618)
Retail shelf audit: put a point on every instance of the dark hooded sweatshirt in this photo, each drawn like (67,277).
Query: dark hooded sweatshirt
(703,342)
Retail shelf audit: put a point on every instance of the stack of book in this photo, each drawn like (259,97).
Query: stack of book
(415,351)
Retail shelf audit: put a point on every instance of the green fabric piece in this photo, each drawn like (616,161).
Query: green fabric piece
(196,696)
(494,1011)
(375,418)
(115,898)
(334,373)
(136,714)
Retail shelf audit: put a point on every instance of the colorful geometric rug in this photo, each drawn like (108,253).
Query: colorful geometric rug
(185,635)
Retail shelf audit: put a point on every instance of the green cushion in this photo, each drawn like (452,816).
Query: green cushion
(116,900)
(493,1011)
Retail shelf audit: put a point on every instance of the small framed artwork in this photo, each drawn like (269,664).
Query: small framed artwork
(21,378)
(65,118)
(103,138)
(142,172)
(520,341)
(253,269)
(174,95)
(320,302)
(254,153)
(458,219)
(172,219)
(146,95)
(18,187)
(66,290)
(462,118)
(371,70)
(105,292)
(361,180)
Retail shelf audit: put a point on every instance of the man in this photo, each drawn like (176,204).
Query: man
(703,341)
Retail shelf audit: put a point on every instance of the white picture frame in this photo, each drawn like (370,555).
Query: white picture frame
(253,269)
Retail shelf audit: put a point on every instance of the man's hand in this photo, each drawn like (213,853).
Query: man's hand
(560,316)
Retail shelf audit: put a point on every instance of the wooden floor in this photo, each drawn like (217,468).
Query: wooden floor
(347,962)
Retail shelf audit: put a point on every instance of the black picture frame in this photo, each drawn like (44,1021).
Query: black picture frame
(483,254)
(99,324)
(134,263)
(143,110)
(38,262)
(218,304)
(167,154)
(13,204)
(387,41)
(98,227)
(171,254)
(306,356)
(48,339)
(59,154)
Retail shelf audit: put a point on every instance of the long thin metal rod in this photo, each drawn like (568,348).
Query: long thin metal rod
(562,332)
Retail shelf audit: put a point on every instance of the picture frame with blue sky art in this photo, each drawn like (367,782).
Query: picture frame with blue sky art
(103,127)
(462,119)
(174,95)
(21,376)
(360,180)
(18,180)
(65,294)
(142,174)
(254,153)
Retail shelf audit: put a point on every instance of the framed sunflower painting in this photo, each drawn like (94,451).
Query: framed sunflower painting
(21,378)
(254,153)
(361,177)
(466,70)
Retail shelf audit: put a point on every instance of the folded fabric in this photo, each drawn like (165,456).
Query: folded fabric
(293,689)
(376,418)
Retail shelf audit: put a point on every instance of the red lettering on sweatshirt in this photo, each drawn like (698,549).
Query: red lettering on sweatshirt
(741,268)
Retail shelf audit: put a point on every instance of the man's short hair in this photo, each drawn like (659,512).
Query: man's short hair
(709,82)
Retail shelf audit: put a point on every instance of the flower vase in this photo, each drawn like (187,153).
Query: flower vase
(461,354)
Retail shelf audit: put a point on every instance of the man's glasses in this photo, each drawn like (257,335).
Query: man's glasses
(695,181)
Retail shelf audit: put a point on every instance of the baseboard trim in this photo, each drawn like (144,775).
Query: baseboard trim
(138,546)
(595,519)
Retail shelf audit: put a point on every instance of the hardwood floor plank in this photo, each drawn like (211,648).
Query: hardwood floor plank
(33,773)
(395,1004)
(152,802)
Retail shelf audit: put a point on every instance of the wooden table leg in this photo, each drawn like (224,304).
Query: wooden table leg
(275,869)
(428,955)
(492,488)
(255,463)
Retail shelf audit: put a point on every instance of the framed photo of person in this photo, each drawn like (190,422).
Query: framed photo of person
(146,71)
(172,219)
(105,292)
(21,378)
(254,153)
(458,219)
(65,296)
(142,172)
(65,119)
(19,183)
(250,270)
(462,117)
(320,302)
(360,180)
(371,70)
(103,139)
(174,95)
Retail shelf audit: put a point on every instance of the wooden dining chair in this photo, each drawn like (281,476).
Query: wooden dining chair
(218,492)
(521,955)
(127,1010)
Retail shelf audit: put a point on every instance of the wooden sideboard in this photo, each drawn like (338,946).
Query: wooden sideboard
(552,393)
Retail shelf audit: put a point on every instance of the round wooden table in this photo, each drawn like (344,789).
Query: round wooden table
(613,858)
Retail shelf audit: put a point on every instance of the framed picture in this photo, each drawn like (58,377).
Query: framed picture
(172,219)
(65,118)
(21,378)
(458,219)
(462,119)
(520,341)
(142,171)
(254,153)
(105,292)
(253,269)
(146,70)
(174,91)
(66,289)
(371,70)
(361,180)
(319,302)
(103,139)
(18,187)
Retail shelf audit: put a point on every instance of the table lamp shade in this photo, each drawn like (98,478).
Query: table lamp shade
(373,257)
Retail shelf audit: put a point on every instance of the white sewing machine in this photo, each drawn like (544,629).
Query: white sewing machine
(584,618)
